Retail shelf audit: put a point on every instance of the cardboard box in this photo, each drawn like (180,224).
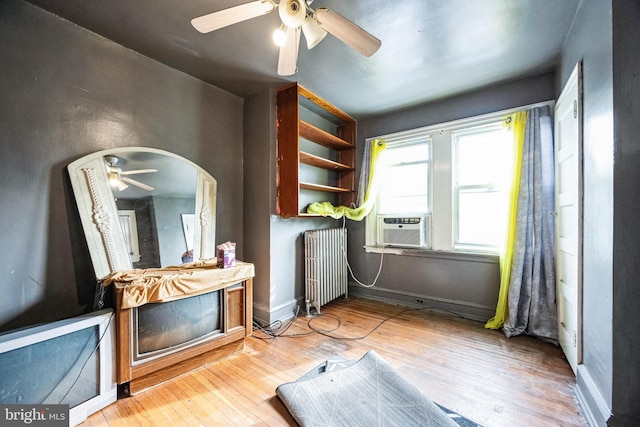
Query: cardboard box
(226,255)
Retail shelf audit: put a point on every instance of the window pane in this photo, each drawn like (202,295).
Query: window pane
(405,181)
(481,218)
(405,178)
(484,158)
(409,153)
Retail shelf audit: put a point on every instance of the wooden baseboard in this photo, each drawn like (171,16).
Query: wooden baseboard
(142,383)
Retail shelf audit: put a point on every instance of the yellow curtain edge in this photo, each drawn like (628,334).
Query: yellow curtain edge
(496,322)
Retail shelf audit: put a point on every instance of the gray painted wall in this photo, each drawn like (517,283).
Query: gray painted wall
(273,244)
(626,206)
(590,42)
(67,92)
(259,167)
(465,284)
(606,38)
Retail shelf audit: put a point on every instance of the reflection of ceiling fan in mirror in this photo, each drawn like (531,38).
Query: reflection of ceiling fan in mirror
(118,178)
(296,15)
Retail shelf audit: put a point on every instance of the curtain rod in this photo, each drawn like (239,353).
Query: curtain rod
(458,123)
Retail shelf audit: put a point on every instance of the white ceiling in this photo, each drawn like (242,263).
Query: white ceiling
(431,49)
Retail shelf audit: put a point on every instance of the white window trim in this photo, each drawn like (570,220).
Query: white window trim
(441,193)
(442,236)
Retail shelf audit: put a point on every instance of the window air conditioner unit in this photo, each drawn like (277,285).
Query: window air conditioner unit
(407,231)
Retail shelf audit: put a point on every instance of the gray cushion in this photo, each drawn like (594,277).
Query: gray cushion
(364,392)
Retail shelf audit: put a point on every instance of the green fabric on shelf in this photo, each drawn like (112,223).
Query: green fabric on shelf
(359,213)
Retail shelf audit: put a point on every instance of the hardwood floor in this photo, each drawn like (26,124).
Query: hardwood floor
(479,373)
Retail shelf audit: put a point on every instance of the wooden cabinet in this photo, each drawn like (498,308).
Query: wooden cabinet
(147,356)
(316,152)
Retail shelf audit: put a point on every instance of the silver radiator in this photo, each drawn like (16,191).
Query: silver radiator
(325,266)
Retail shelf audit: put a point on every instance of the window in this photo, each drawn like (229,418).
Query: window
(454,177)
(406,177)
(482,170)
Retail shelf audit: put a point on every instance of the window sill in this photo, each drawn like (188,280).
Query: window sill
(429,253)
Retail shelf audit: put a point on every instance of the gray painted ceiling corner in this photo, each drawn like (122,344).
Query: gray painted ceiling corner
(431,49)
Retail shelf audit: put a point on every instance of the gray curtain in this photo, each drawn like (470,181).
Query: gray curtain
(532,291)
(365,169)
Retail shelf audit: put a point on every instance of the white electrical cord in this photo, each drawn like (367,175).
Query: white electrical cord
(344,252)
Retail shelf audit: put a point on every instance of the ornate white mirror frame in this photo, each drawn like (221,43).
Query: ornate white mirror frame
(96,204)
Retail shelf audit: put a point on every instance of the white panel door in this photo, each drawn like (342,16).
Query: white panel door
(568,198)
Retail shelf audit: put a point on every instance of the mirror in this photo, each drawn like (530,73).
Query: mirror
(144,208)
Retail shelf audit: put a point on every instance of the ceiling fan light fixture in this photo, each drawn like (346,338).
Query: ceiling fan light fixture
(292,12)
(297,17)
(113,179)
(115,182)
(313,32)
(280,36)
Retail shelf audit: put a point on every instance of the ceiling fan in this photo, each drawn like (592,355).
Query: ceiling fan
(296,16)
(118,178)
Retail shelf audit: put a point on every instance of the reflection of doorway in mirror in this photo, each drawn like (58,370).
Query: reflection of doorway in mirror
(129,228)
(188,227)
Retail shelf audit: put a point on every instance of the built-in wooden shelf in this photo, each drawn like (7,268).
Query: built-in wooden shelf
(325,188)
(340,161)
(312,133)
(321,162)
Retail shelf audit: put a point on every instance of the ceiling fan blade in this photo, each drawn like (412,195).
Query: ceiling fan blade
(233,15)
(347,32)
(289,53)
(137,171)
(137,183)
